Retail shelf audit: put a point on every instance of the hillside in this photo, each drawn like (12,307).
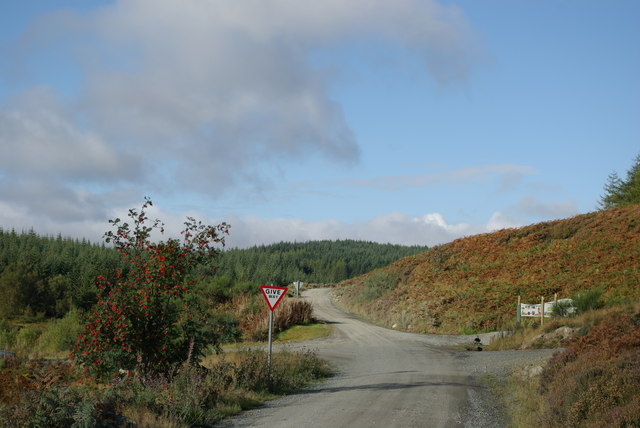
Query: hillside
(472,284)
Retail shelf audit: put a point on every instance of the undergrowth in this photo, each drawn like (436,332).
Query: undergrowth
(593,382)
(45,393)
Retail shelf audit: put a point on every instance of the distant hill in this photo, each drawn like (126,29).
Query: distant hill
(472,284)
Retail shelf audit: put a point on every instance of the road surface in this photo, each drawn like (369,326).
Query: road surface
(385,378)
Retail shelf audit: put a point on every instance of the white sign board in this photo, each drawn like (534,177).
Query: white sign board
(527,310)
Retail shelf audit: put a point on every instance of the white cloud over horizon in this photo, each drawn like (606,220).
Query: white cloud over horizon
(245,231)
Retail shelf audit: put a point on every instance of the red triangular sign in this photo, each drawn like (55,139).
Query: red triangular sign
(273,295)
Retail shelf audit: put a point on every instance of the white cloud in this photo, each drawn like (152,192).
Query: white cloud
(39,138)
(396,228)
(161,95)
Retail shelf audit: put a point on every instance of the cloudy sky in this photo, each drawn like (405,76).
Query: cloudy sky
(403,121)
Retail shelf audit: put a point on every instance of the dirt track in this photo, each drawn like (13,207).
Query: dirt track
(388,378)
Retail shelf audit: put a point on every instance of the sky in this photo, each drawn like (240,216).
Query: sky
(411,122)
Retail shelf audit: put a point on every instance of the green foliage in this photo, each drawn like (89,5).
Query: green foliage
(310,262)
(26,339)
(49,275)
(588,300)
(8,335)
(61,334)
(378,284)
(563,308)
(619,192)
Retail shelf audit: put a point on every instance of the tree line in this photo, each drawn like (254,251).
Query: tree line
(45,276)
(312,262)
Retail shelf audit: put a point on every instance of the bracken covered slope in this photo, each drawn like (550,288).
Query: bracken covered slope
(472,284)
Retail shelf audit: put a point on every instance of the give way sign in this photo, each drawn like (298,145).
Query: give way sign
(273,295)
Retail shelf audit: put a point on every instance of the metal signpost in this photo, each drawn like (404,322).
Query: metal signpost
(273,295)
(297,284)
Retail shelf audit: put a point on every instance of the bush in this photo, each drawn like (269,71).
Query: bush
(564,308)
(26,339)
(595,380)
(144,321)
(244,288)
(42,393)
(61,334)
(588,300)
(377,284)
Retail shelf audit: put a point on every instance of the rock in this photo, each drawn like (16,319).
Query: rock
(551,339)
(529,372)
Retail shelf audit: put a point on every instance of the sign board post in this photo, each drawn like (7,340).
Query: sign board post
(297,284)
(273,296)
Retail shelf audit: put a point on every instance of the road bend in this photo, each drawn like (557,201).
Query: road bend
(385,378)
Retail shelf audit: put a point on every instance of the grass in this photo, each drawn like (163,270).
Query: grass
(299,333)
(296,333)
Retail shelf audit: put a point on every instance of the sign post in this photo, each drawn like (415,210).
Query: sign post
(273,295)
(297,284)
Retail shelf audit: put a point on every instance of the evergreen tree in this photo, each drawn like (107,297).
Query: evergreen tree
(619,192)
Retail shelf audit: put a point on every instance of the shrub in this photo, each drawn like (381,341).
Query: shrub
(563,308)
(377,284)
(144,320)
(595,380)
(588,300)
(61,334)
(26,339)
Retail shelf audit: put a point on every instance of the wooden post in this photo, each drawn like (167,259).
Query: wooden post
(518,313)
(542,311)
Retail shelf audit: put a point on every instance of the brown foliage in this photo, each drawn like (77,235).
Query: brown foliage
(595,381)
(473,283)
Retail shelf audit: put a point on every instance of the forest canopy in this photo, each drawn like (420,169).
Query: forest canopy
(47,276)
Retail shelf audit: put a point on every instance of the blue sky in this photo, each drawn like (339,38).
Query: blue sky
(404,121)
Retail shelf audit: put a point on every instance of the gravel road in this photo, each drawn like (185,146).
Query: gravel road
(387,378)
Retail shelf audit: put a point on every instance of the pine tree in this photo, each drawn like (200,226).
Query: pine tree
(619,192)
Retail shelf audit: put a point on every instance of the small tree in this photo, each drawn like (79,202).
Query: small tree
(619,192)
(143,320)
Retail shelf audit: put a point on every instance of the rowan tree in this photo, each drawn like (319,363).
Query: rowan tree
(143,321)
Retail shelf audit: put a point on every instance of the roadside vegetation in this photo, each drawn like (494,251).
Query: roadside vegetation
(591,382)
(147,351)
